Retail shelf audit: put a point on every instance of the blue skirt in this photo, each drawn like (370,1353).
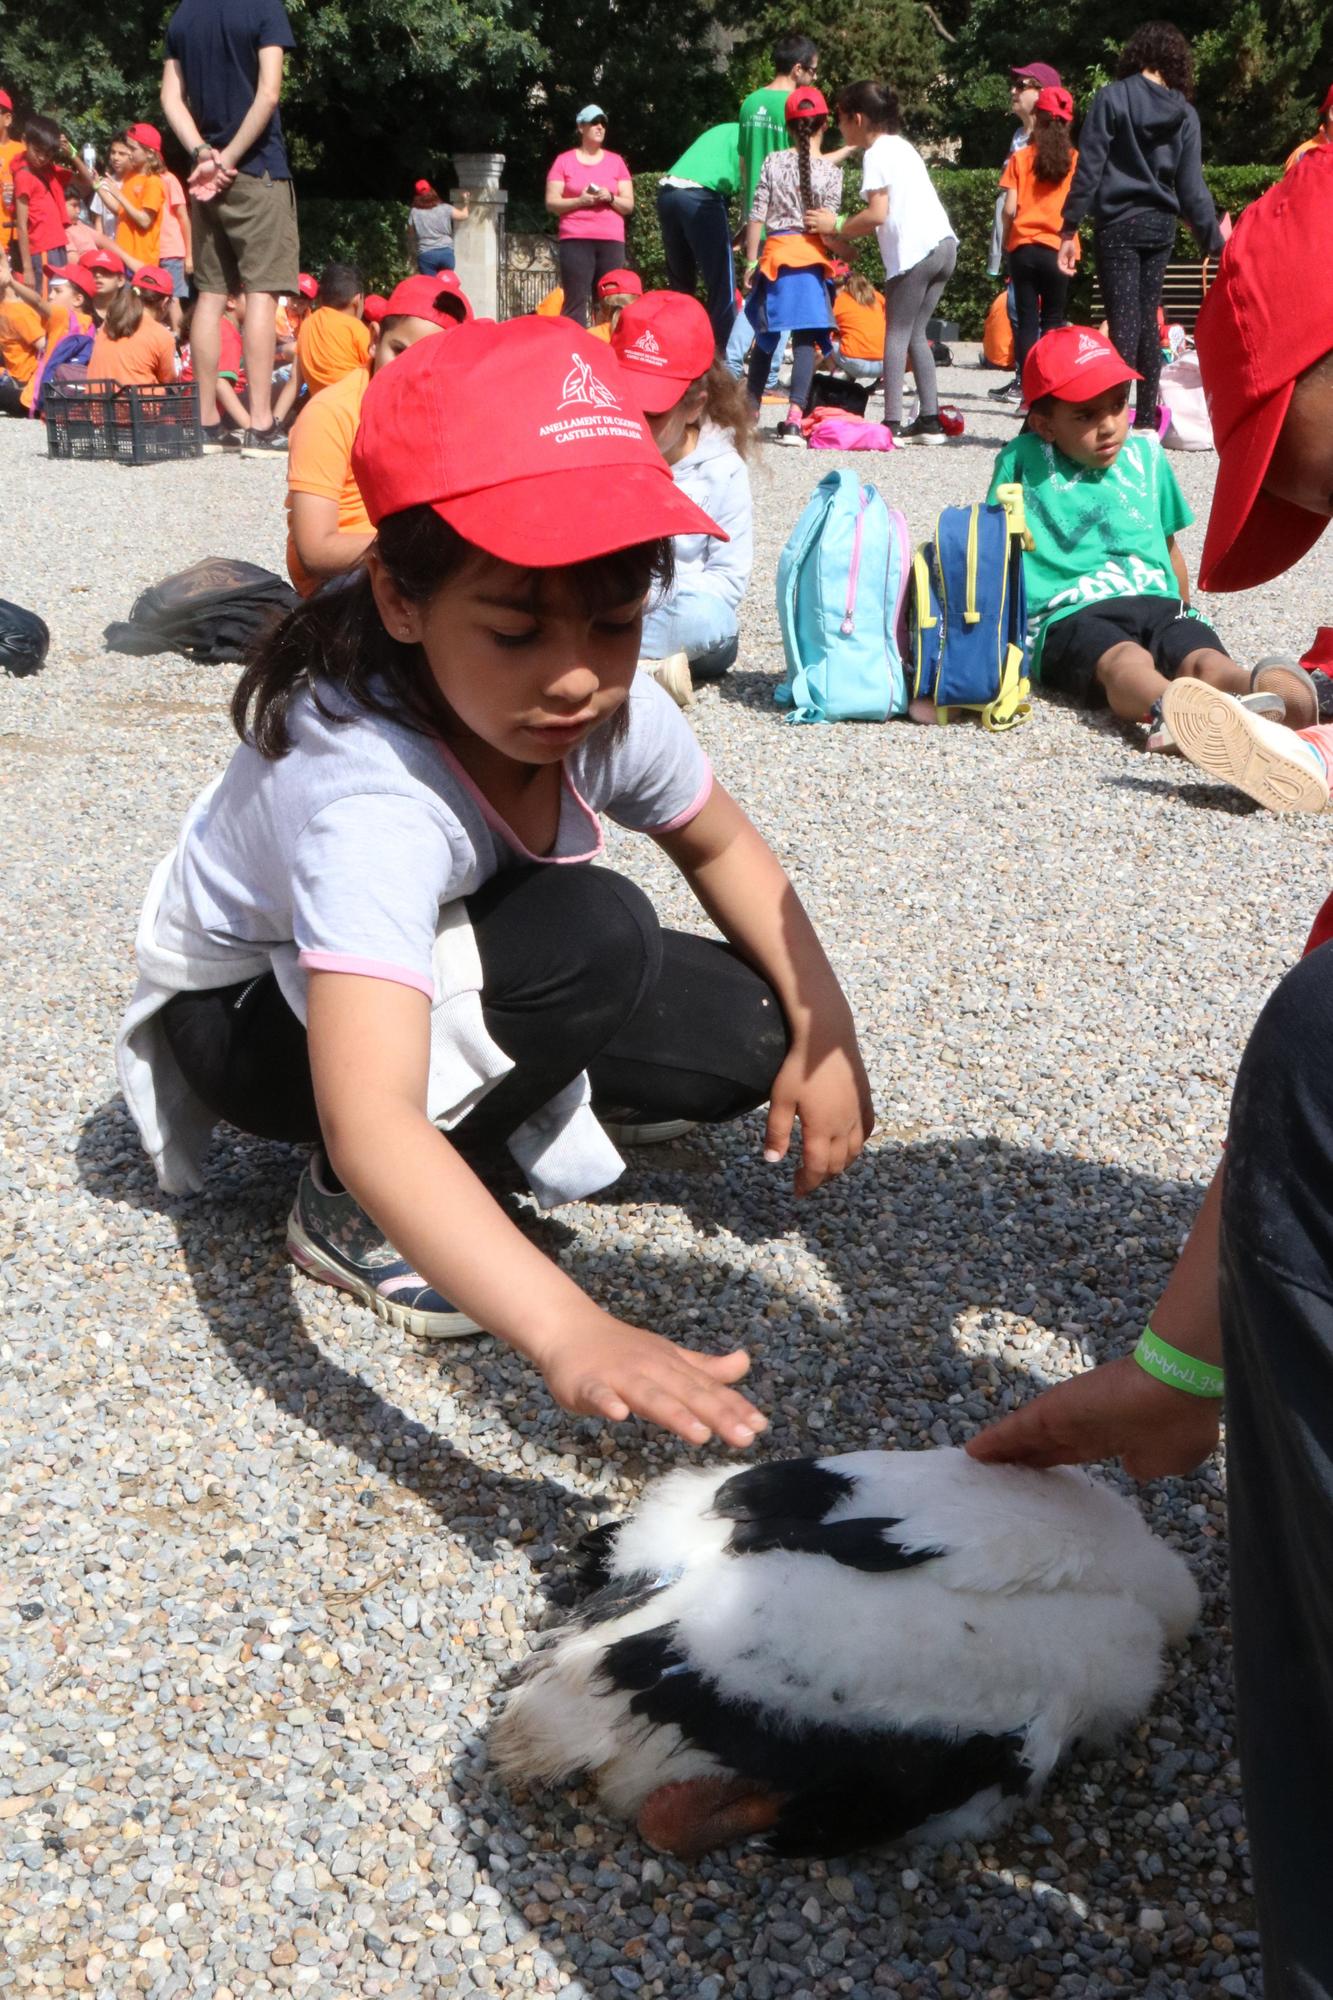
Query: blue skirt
(796,301)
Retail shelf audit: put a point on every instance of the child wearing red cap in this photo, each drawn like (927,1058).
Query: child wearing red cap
(788,281)
(135,346)
(11,154)
(40,183)
(138,201)
(380,933)
(1323,137)
(328,528)
(430,228)
(1251,1289)
(1036,181)
(1109,621)
(700,418)
(611,294)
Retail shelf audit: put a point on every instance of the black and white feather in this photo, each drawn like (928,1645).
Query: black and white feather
(890,1644)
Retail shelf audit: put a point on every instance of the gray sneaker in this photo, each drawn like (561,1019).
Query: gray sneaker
(336,1242)
(270,440)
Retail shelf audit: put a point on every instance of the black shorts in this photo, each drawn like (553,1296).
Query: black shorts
(1162,625)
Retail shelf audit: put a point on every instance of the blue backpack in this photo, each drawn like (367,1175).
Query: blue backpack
(842,589)
(969,613)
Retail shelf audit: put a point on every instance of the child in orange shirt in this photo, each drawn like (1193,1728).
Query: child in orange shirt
(134,346)
(22,337)
(140,199)
(11,154)
(1036,180)
(331,341)
(859,316)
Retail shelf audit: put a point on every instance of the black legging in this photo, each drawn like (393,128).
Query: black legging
(803,351)
(1132,256)
(577,974)
(582,262)
(1040,291)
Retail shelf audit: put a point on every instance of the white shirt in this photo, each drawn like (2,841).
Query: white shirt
(916,221)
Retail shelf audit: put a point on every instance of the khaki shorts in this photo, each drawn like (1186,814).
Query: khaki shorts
(245,240)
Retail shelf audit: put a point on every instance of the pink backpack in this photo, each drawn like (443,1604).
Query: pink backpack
(842,434)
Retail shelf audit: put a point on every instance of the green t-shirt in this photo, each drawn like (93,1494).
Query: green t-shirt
(763,130)
(713,160)
(1098,531)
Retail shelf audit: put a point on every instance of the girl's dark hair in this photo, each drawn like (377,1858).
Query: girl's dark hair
(1052,147)
(125,314)
(336,642)
(1160,45)
(804,132)
(339,284)
(877,103)
(43,131)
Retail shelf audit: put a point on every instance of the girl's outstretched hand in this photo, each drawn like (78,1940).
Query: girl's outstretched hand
(1115,1411)
(610,1369)
(829,1091)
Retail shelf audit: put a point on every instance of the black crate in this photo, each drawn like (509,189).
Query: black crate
(139,426)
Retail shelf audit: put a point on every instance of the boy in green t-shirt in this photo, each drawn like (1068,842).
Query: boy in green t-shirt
(1109,619)
(763,115)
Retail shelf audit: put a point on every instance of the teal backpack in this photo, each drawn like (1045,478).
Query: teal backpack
(842,596)
(968,614)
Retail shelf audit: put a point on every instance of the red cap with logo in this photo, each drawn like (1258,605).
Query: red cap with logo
(522,437)
(146,136)
(307,286)
(152,278)
(806,102)
(615,284)
(439,298)
(664,342)
(77,275)
(1056,102)
(1252,346)
(103,260)
(1073,364)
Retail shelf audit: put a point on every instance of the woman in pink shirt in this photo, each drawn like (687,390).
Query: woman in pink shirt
(591,193)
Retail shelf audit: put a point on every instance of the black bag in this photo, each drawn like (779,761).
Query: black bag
(215,612)
(838,392)
(24,638)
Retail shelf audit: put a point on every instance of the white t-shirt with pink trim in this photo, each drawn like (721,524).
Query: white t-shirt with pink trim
(354,853)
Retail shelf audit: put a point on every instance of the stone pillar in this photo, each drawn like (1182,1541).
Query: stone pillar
(479,242)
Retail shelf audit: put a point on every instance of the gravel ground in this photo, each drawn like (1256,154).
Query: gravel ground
(266,1562)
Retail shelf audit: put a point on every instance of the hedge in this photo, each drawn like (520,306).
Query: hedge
(370,234)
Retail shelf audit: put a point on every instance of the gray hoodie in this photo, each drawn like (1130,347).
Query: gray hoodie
(715,478)
(1140,152)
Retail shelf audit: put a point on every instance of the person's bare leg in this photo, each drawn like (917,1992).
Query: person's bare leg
(1293,684)
(231,407)
(206,351)
(1130,680)
(260,336)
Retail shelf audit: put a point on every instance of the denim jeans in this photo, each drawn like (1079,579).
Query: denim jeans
(740,343)
(696,623)
(435,257)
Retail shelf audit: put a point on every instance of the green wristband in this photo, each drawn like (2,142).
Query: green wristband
(842,224)
(1178,1370)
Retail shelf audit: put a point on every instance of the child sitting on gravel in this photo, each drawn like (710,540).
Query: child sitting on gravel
(361,943)
(333,339)
(700,417)
(1109,620)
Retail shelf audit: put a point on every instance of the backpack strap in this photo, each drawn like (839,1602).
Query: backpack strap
(794,687)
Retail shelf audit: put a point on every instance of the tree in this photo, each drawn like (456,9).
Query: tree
(891,41)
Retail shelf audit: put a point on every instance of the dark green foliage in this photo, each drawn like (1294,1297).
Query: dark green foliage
(891,41)
(368,234)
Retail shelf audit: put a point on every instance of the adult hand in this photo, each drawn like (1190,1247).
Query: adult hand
(1068,262)
(610,1369)
(1115,1411)
(211,177)
(829,1092)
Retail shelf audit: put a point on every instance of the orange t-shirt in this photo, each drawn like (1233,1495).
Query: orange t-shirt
(146,355)
(1040,203)
(329,345)
(146,192)
(860,328)
(11,152)
(21,332)
(319,460)
(1306,146)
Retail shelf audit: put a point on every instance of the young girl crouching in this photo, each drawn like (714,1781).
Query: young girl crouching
(701,419)
(384,934)
(134,345)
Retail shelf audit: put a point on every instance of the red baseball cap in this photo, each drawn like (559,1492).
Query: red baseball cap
(307,286)
(422,187)
(806,102)
(373,308)
(1327,104)
(522,437)
(103,260)
(1056,101)
(1073,363)
(6,101)
(152,278)
(616,282)
(664,342)
(1252,346)
(1041,73)
(77,275)
(438,298)
(146,136)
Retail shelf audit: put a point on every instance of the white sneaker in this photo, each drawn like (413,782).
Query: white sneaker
(658,1134)
(673,674)
(1263,759)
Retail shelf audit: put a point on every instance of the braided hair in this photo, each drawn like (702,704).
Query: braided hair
(804,132)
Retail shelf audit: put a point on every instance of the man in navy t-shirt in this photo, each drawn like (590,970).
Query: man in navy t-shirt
(221,83)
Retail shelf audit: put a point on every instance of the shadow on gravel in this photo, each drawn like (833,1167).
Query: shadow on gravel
(232,1237)
(1188,789)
